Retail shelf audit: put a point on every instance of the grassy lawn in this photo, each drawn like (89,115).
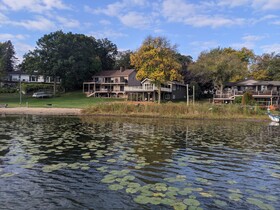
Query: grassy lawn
(66,100)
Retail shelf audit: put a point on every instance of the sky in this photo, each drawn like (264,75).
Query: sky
(194,26)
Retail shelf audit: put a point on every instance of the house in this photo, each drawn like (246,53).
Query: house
(111,83)
(264,92)
(17,76)
(123,83)
(148,91)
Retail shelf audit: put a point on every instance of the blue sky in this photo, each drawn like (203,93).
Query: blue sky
(193,26)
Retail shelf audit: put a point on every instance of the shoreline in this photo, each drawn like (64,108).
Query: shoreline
(41,111)
(51,111)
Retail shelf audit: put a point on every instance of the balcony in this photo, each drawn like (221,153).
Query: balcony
(145,89)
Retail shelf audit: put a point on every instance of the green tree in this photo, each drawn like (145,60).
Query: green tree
(123,60)
(266,67)
(107,52)
(7,58)
(72,57)
(156,60)
(220,65)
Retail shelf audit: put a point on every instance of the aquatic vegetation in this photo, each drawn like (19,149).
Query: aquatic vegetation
(168,166)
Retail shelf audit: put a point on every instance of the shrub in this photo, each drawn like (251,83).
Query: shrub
(238,100)
(247,99)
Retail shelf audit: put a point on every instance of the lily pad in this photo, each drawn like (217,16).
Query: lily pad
(7,175)
(141,199)
(235,196)
(115,187)
(260,204)
(191,202)
(220,203)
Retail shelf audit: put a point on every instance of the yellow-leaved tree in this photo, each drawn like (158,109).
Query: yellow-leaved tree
(156,60)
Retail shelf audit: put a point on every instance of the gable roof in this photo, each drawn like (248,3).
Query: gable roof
(114,73)
(251,82)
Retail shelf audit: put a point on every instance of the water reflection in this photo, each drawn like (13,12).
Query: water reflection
(100,163)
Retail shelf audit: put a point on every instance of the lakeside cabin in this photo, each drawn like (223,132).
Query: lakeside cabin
(123,84)
(264,92)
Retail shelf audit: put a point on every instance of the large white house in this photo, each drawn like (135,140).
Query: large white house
(17,76)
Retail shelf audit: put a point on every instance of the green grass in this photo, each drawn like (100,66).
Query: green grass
(178,110)
(66,100)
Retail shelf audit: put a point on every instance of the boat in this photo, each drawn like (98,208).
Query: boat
(274,118)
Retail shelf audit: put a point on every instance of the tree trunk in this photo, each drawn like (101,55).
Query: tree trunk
(222,88)
(159,94)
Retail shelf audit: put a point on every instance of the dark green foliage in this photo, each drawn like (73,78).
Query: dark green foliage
(238,100)
(7,58)
(33,87)
(123,60)
(247,99)
(74,58)
(107,52)
(8,90)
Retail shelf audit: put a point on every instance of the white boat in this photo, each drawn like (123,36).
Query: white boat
(274,118)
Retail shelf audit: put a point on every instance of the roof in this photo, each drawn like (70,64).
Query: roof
(170,82)
(252,82)
(114,73)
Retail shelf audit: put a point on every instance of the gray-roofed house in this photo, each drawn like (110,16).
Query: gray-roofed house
(264,92)
(111,83)
(123,83)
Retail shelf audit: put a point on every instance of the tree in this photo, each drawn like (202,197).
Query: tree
(7,58)
(107,52)
(156,60)
(220,65)
(266,67)
(72,57)
(123,60)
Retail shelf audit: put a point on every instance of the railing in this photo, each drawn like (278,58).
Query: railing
(140,88)
(229,94)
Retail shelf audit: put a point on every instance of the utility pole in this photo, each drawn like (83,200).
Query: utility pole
(193,94)
(20,89)
(187,94)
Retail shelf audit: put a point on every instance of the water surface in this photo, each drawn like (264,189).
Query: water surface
(104,163)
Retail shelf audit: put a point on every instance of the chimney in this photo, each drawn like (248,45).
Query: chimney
(122,69)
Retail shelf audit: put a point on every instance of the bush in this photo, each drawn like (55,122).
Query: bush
(8,90)
(33,87)
(238,100)
(247,99)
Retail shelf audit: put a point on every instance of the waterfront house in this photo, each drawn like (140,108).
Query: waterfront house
(19,76)
(264,92)
(123,83)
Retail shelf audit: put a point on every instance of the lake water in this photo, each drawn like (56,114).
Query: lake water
(104,163)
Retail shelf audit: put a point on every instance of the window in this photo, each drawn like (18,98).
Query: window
(174,87)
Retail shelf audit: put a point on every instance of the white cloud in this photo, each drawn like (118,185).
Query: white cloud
(36,6)
(212,21)
(21,49)
(105,22)
(252,38)
(266,4)
(40,23)
(107,34)
(249,41)
(256,4)
(3,19)
(177,10)
(277,22)
(233,3)
(135,20)
(271,48)
(68,23)
(195,15)
(124,11)
(5,37)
